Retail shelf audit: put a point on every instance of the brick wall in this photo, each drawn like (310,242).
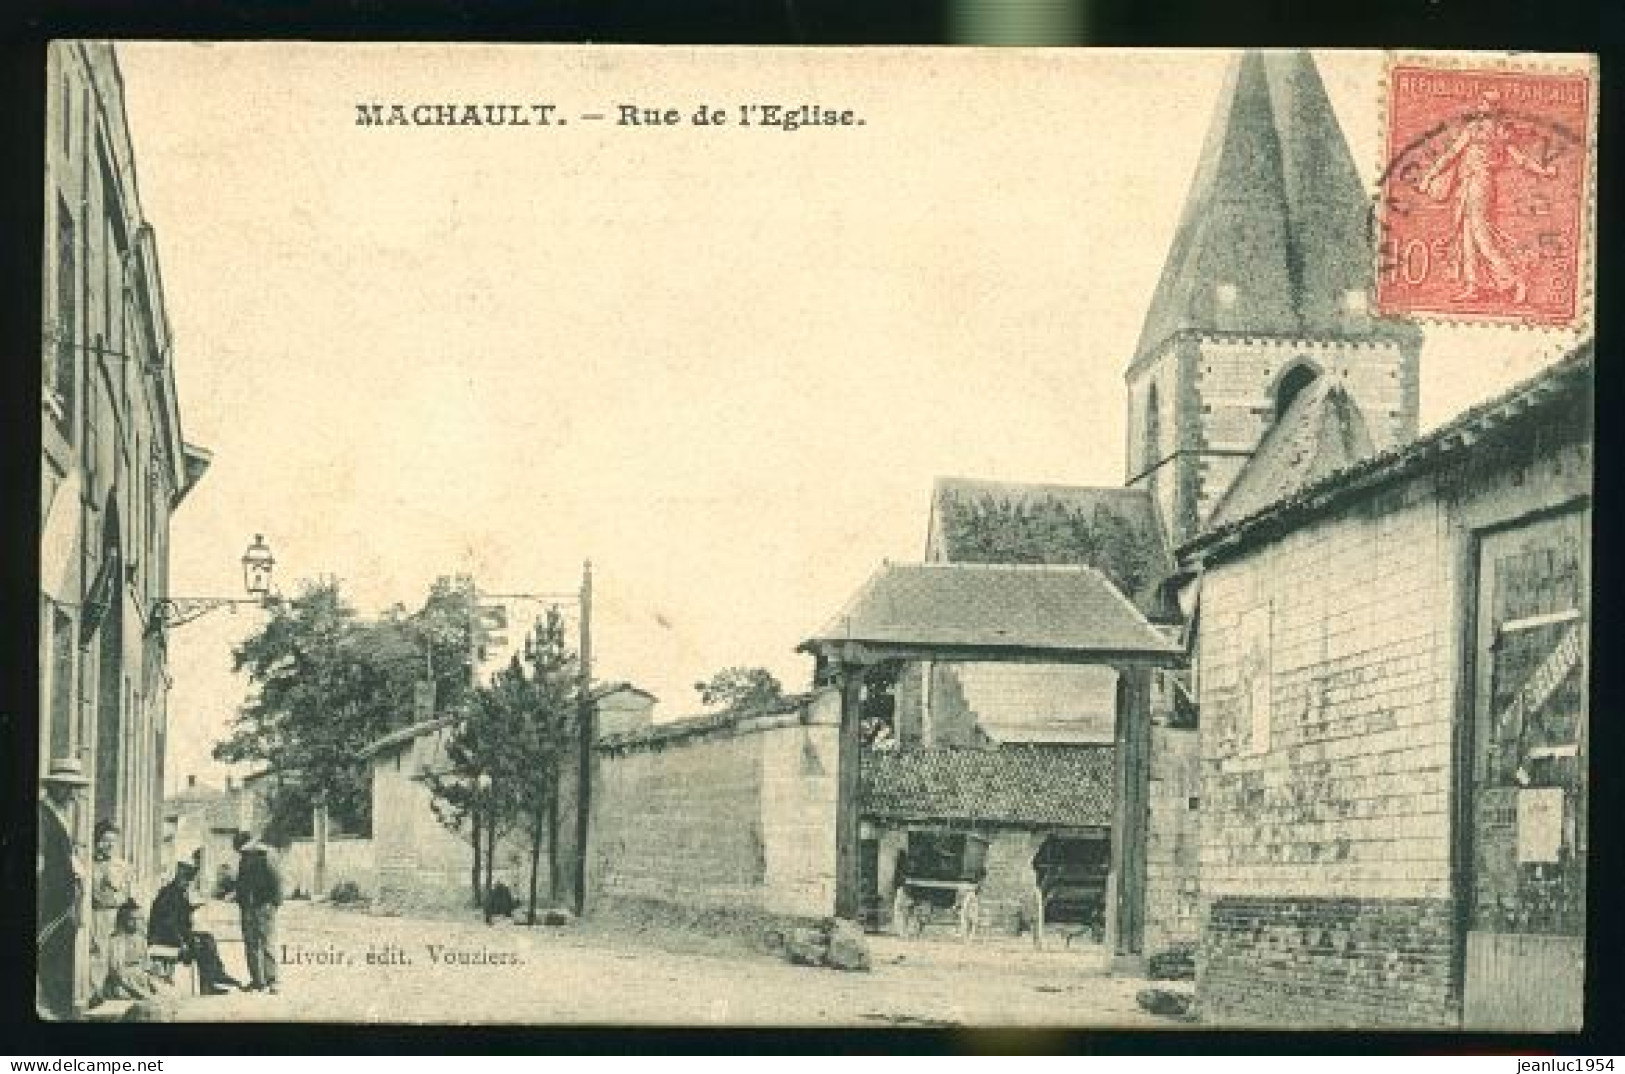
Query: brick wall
(1326,667)
(738,817)
(1328,962)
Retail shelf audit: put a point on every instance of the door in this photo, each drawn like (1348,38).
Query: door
(1525,950)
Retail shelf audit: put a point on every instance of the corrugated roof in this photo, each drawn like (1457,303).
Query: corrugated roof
(1030,784)
(1566,382)
(1138,568)
(1276,211)
(1321,433)
(1073,610)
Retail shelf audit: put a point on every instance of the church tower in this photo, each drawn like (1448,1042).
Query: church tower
(1264,294)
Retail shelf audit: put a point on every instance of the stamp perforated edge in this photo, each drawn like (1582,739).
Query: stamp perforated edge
(1577,63)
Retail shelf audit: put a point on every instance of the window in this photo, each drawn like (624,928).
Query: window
(67,113)
(1291,385)
(1151,430)
(65,319)
(1254,642)
(61,672)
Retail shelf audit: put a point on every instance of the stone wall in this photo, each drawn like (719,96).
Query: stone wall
(945,703)
(420,862)
(1172,864)
(349,858)
(1326,669)
(725,815)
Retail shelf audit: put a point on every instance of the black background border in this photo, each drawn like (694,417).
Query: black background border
(1534,25)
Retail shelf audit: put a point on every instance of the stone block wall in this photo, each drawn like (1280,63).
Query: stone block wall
(349,857)
(419,862)
(965,704)
(1172,839)
(1326,674)
(1009,889)
(733,817)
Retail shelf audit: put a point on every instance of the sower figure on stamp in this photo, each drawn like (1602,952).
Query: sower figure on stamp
(1471,170)
(259,896)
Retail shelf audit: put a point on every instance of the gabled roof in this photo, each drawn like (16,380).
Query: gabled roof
(1028,785)
(1321,433)
(1559,398)
(1276,211)
(1029,534)
(610,689)
(983,611)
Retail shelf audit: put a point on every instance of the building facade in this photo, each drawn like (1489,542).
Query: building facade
(113,464)
(1391,663)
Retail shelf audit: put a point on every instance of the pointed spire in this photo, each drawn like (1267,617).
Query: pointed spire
(1273,237)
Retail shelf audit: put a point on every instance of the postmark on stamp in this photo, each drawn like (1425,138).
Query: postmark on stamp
(1483,208)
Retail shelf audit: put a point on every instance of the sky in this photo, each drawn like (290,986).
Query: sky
(724,364)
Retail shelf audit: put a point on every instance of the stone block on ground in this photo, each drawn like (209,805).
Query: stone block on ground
(848,949)
(806,947)
(1163,1002)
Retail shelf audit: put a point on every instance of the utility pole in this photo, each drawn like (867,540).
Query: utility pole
(584,722)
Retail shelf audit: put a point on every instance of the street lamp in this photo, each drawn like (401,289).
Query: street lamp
(257,566)
(258,563)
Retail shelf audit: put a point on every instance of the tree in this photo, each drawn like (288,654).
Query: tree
(505,756)
(322,686)
(739,689)
(546,691)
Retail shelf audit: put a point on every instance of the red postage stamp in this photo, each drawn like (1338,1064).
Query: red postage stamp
(1484,210)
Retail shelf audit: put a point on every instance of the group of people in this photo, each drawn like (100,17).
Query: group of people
(133,953)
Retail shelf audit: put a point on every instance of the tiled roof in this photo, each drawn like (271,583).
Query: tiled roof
(1059,609)
(1038,785)
(1321,433)
(1276,212)
(1566,383)
(1132,509)
(217,808)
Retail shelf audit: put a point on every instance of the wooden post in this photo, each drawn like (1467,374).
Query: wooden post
(584,741)
(318,823)
(848,758)
(1131,814)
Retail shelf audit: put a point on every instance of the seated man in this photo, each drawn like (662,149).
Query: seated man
(129,969)
(172,927)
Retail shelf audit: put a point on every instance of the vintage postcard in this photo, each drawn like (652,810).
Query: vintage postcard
(825,537)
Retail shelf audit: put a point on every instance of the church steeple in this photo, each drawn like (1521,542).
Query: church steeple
(1268,273)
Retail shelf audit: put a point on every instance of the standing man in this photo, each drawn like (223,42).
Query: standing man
(259,896)
(60,885)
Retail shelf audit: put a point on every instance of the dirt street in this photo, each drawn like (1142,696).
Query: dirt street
(347,966)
